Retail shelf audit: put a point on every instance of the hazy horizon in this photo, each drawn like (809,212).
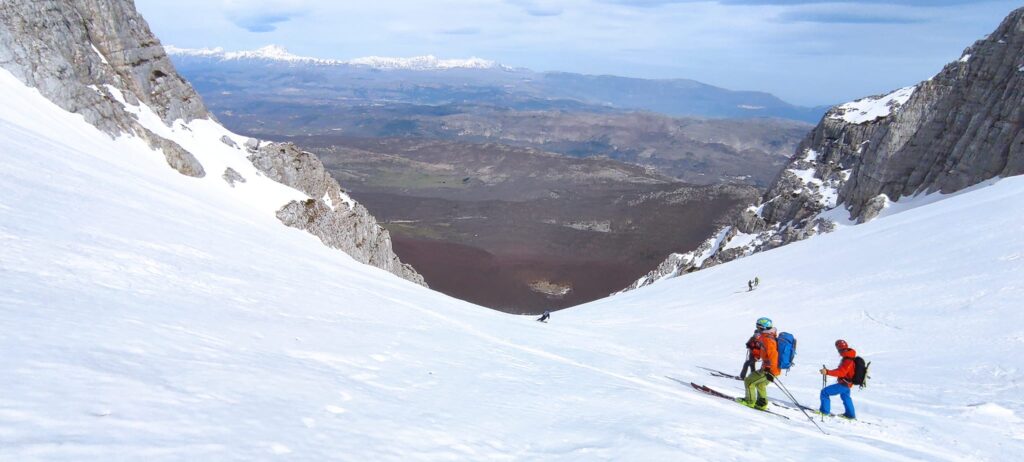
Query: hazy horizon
(807,52)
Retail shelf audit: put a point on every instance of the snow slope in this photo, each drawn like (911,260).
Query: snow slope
(147,315)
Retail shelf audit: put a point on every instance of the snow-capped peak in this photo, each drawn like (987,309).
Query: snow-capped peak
(267,53)
(279,53)
(271,52)
(428,62)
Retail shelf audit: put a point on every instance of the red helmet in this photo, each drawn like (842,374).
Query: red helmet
(841,344)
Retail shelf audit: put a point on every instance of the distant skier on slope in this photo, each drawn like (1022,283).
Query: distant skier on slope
(757,281)
(762,347)
(544,317)
(844,383)
(750,285)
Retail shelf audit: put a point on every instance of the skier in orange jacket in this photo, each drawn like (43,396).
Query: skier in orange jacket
(762,347)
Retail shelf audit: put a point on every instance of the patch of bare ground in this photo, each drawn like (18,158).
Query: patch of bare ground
(530,256)
(509,282)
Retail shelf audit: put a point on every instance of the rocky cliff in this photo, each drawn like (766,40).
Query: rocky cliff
(959,128)
(98,58)
(329,213)
(74,51)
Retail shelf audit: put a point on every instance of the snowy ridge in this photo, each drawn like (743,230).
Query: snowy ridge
(268,53)
(203,138)
(279,54)
(873,107)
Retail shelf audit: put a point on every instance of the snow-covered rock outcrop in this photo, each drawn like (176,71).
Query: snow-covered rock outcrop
(957,129)
(329,213)
(72,51)
(98,58)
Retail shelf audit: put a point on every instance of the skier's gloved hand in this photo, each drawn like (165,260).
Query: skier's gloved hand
(771,378)
(823,371)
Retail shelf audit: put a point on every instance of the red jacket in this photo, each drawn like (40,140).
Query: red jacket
(846,367)
(765,348)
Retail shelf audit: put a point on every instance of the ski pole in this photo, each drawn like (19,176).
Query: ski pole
(824,383)
(790,395)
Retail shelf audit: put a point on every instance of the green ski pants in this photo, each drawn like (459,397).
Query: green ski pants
(757,386)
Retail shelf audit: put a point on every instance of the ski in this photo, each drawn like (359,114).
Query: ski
(710,391)
(717,373)
(792,406)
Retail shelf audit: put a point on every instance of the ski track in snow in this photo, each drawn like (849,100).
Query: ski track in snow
(675,392)
(153,316)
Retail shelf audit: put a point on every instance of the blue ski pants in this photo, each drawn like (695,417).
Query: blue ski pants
(844,393)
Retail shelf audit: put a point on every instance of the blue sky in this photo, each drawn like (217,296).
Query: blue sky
(805,51)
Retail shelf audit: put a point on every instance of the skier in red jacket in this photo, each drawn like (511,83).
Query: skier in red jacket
(844,381)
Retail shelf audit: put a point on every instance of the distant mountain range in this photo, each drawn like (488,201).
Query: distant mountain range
(277,53)
(433,81)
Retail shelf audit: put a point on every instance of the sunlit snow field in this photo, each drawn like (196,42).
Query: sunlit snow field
(145,315)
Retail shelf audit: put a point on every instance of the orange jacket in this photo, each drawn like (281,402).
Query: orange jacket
(846,367)
(766,350)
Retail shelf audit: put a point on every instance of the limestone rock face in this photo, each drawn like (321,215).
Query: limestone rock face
(72,50)
(287,164)
(98,58)
(961,127)
(177,157)
(329,214)
(955,130)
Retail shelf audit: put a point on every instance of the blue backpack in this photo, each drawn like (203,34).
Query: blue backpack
(787,350)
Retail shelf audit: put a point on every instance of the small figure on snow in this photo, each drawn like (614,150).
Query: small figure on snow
(844,381)
(544,317)
(762,347)
(750,285)
(757,281)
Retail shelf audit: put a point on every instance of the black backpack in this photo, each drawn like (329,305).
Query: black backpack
(860,372)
